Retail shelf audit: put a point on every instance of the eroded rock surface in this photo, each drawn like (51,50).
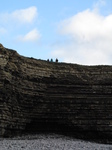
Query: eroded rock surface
(37,96)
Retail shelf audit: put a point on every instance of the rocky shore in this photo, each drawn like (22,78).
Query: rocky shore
(49,142)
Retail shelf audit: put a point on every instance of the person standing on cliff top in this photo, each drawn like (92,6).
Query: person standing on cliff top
(56,60)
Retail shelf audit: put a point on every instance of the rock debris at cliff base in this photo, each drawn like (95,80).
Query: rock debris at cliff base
(49,142)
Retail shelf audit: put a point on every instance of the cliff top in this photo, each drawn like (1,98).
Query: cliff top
(6,52)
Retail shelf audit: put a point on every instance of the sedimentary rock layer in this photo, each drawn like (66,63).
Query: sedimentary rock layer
(37,95)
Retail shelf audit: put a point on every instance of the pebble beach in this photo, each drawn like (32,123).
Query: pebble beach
(49,142)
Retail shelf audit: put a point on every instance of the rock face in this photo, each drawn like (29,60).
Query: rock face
(38,96)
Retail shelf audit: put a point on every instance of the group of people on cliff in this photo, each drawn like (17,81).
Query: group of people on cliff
(52,60)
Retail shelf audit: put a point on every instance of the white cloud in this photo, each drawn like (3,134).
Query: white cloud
(99,3)
(17,21)
(27,15)
(31,36)
(89,38)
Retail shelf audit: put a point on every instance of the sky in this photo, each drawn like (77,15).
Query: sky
(74,31)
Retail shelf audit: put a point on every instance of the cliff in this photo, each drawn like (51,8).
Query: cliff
(40,96)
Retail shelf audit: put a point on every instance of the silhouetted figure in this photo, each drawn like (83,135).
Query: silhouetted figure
(51,60)
(48,60)
(56,60)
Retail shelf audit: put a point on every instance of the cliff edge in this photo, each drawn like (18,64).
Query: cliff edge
(40,96)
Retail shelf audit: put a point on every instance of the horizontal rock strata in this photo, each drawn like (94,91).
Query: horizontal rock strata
(37,96)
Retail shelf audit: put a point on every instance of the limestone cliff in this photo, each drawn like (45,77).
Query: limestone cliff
(37,96)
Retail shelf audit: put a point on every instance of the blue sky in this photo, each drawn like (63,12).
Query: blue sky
(74,31)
